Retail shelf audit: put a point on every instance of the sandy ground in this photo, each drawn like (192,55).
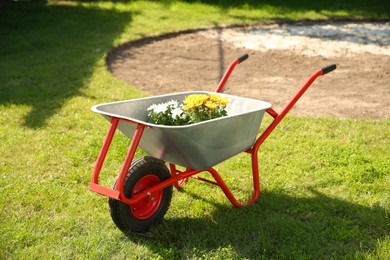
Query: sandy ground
(282,57)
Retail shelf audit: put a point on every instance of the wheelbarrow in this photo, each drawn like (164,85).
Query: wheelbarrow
(142,192)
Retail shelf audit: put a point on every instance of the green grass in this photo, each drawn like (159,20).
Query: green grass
(324,181)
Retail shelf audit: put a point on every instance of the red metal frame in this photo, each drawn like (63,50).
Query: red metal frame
(180,177)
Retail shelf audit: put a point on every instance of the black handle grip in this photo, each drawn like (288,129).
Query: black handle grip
(328,68)
(243,57)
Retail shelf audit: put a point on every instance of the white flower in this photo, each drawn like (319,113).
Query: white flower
(161,108)
(152,107)
(173,103)
(176,112)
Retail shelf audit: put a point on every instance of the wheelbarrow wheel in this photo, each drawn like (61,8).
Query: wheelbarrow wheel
(144,173)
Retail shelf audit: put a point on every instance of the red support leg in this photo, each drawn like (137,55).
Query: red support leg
(129,158)
(94,186)
(229,194)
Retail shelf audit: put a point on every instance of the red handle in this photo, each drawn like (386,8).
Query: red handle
(278,117)
(229,71)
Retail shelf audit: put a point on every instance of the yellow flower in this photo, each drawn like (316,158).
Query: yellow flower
(187,107)
(214,97)
(194,98)
(198,102)
(210,101)
(219,100)
(194,101)
(211,104)
(224,101)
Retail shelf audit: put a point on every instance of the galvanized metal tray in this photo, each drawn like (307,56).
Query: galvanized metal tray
(197,146)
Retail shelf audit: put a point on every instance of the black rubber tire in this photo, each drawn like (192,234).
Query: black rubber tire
(122,214)
(113,203)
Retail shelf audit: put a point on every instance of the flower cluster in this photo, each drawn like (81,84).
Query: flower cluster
(196,108)
(204,107)
(169,113)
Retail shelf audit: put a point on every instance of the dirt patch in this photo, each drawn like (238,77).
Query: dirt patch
(282,57)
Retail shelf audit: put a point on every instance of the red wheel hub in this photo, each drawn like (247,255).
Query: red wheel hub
(145,208)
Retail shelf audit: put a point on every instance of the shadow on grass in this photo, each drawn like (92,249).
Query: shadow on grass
(277,226)
(48,53)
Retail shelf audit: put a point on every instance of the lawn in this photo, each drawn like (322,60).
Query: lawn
(325,181)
